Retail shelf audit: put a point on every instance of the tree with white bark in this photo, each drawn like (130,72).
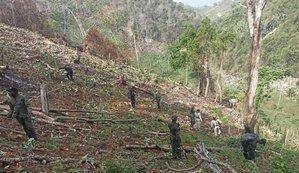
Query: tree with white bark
(254,9)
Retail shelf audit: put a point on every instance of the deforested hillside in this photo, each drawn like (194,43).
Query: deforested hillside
(90,127)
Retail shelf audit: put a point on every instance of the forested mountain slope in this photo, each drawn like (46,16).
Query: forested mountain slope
(280,49)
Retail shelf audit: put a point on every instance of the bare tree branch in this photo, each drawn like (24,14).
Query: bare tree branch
(185,170)
(270,33)
(244,6)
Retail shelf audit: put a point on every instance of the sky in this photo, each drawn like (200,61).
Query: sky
(198,3)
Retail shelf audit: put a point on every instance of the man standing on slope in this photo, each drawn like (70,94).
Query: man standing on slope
(249,141)
(158,100)
(192,116)
(132,97)
(198,119)
(216,124)
(175,138)
(19,109)
(69,72)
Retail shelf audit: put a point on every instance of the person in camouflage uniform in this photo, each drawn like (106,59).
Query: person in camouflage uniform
(175,138)
(19,109)
(249,141)
(69,72)
(158,100)
(192,116)
(132,96)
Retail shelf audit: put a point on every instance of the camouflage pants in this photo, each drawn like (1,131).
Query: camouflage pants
(133,103)
(249,150)
(176,147)
(26,122)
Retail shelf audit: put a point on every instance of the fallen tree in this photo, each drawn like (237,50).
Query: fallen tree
(185,148)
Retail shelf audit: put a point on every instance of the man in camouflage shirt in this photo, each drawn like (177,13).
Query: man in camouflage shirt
(249,141)
(175,138)
(19,109)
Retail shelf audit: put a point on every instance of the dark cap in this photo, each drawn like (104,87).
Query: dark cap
(12,89)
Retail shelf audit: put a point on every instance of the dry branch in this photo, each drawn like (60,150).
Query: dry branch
(96,120)
(11,130)
(156,133)
(149,147)
(154,147)
(72,110)
(187,169)
(41,159)
(201,151)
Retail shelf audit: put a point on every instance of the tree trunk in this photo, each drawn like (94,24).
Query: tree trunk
(207,77)
(219,79)
(136,51)
(254,19)
(198,87)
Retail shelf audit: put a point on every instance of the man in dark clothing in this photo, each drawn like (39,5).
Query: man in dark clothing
(249,141)
(69,72)
(192,116)
(19,109)
(131,96)
(158,100)
(175,138)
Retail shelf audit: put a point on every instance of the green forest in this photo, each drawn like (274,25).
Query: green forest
(149,86)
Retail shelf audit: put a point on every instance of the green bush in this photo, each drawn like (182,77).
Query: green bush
(233,142)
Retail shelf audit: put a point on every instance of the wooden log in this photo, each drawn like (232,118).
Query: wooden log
(37,113)
(44,99)
(155,147)
(96,120)
(185,148)
(147,147)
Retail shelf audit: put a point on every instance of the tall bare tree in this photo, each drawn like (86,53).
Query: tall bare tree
(255,9)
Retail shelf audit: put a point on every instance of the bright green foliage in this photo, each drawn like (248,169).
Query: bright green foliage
(87,159)
(29,145)
(194,45)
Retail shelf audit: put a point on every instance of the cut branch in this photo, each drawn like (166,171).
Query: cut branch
(11,130)
(156,133)
(185,170)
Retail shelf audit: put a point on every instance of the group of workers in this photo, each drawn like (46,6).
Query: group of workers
(19,109)
(249,139)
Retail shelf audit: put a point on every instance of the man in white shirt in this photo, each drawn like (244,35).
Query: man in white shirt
(216,124)
(198,119)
